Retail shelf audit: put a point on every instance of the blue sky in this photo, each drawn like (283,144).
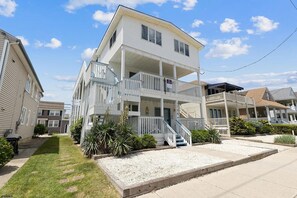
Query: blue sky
(59,35)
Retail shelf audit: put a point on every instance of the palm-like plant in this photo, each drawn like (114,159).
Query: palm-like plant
(91,144)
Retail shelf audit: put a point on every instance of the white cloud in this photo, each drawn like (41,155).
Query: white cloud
(54,43)
(176,6)
(197,23)
(24,41)
(65,78)
(66,87)
(263,24)
(73,5)
(250,31)
(7,8)
(189,4)
(228,48)
(88,53)
(103,17)
(229,25)
(196,35)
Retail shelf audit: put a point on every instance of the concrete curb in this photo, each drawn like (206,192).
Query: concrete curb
(155,184)
(260,141)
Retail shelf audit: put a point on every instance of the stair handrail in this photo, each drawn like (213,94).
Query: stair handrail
(184,132)
(169,134)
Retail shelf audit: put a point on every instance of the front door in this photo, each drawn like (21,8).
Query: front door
(167,117)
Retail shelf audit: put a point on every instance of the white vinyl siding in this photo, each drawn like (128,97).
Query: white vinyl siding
(53,123)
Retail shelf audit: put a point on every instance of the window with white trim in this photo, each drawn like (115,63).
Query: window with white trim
(113,39)
(28,84)
(39,112)
(54,113)
(151,35)
(33,90)
(53,123)
(181,47)
(41,122)
(23,115)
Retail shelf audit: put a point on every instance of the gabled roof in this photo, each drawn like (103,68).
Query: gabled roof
(283,94)
(12,38)
(125,11)
(259,97)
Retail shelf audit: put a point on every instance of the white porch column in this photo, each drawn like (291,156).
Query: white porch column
(176,110)
(293,103)
(286,113)
(274,114)
(281,115)
(123,65)
(294,117)
(227,114)
(174,72)
(162,108)
(160,68)
(268,114)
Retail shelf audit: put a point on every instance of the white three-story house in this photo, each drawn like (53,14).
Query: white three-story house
(138,65)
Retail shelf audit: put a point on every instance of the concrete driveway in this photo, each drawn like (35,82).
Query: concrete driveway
(274,176)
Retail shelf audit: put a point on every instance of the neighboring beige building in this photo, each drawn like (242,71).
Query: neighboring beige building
(20,89)
(52,115)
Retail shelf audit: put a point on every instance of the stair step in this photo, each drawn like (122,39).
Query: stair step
(178,136)
(178,144)
(179,140)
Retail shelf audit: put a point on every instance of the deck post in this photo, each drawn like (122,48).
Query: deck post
(255,109)
(162,107)
(123,57)
(227,114)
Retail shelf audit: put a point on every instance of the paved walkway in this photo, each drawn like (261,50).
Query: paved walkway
(274,176)
(26,149)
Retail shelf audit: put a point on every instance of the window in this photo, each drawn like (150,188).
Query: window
(33,90)
(151,35)
(28,84)
(181,47)
(28,118)
(23,115)
(54,113)
(39,112)
(41,122)
(158,38)
(53,123)
(144,32)
(176,45)
(113,39)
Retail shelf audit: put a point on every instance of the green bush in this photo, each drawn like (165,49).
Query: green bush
(148,141)
(258,126)
(39,129)
(237,126)
(75,130)
(284,128)
(214,136)
(136,142)
(285,139)
(200,136)
(91,144)
(6,152)
(250,129)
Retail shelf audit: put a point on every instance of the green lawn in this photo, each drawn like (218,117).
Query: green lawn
(58,169)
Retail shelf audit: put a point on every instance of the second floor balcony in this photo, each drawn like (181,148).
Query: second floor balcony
(229,97)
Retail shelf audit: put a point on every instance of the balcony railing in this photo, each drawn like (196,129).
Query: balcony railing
(152,82)
(218,121)
(229,97)
(193,123)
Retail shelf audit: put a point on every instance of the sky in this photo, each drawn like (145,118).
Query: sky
(59,35)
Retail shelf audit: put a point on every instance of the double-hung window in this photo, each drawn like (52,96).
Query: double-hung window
(113,39)
(23,116)
(54,113)
(181,47)
(151,35)
(28,84)
(53,123)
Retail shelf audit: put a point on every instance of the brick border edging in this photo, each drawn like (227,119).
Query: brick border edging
(155,184)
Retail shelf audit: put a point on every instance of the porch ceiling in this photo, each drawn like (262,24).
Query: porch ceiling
(148,65)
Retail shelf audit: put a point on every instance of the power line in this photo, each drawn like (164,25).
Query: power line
(263,57)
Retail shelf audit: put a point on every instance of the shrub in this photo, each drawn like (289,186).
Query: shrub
(136,142)
(237,126)
(148,141)
(6,152)
(40,129)
(105,133)
(285,139)
(91,144)
(119,146)
(75,130)
(200,136)
(214,136)
(258,126)
(250,129)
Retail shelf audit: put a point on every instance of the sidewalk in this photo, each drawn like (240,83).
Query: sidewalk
(274,176)
(26,149)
